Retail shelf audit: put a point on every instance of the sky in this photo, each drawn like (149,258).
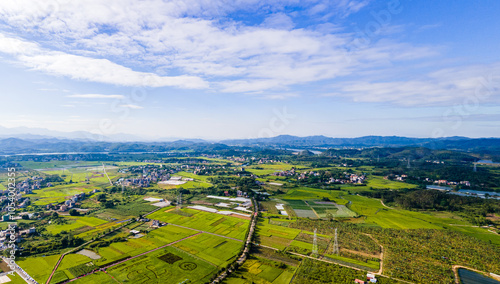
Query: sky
(217,69)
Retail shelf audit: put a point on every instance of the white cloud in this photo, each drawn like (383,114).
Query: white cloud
(193,40)
(131,106)
(90,69)
(465,85)
(278,21)
(96,96)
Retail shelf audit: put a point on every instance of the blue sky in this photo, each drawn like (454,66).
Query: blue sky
(250,68)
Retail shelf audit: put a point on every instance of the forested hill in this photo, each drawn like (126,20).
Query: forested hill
(50,145)
(19,146)
(459,143)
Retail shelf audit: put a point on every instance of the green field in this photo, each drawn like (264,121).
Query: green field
(96,278)
(275,236)
(373,212)
(132,247)
(378,182)
(258,270)
(66,269)
(74,223)
(211,222)
(307,193)
(176,267)
(268,169)
(16,279)
(39,267)
(213,249)
(193,176)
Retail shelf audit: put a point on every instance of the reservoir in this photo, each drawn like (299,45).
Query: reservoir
(471,277)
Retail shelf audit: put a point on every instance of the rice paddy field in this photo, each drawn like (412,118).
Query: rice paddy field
(213,249)
(16,279)
(194,259)
(168,265)
(39,267)
(210,222)
(275,236)
(259,270)
(132,247)
(96,278)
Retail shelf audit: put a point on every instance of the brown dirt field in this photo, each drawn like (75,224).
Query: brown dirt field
(493,218)
(360,253)
(241,217)
(201,202)
(4,266)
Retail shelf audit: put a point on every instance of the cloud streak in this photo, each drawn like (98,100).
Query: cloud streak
(476,84)
(90,69)
(96,96)
(131,106)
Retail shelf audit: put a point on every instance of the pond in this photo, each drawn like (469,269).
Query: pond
(471,277)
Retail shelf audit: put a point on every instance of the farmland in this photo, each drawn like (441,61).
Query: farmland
(74,223)
(214,223)
(213,249)
(260,270)
(199,254)
(186,244)
(39,267)
(152,269)
(275,236)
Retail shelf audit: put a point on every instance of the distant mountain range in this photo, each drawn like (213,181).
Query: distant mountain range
(36,140)
(323,141)
(42,133)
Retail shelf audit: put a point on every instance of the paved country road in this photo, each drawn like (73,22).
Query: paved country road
(246,250)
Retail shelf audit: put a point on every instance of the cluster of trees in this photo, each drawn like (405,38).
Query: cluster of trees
(316,272)
(473,209)
(419,256)
(106,243)
(53,243)
(52,179)
(106,203)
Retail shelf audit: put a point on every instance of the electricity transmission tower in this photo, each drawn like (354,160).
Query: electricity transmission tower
(179,201)
(315,244)
(475,167)
(336,244)
(408,166)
